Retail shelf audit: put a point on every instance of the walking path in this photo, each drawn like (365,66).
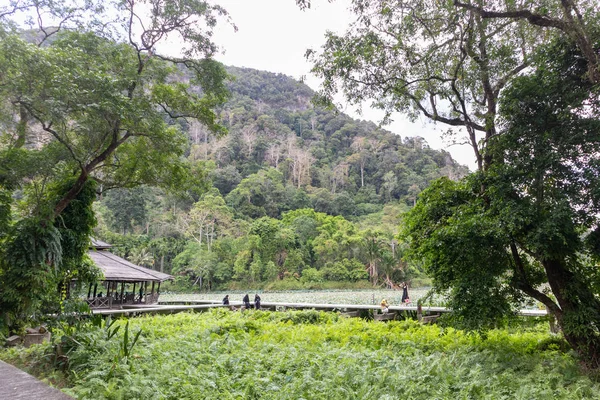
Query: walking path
(18,385)
(172,307)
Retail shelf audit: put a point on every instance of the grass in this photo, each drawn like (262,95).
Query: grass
(313,355)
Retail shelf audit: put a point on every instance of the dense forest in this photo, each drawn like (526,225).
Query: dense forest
(293,195)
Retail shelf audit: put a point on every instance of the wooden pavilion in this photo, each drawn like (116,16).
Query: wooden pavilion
(124,282)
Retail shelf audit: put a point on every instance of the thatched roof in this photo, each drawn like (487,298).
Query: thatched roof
(116,268)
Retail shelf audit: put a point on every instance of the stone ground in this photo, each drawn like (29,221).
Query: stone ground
(16,385)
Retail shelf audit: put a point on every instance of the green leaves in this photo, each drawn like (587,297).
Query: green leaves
(504,232)
(311,354)
(464,249)
(94,102)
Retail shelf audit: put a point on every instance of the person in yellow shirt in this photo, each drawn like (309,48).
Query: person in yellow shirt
(384,306)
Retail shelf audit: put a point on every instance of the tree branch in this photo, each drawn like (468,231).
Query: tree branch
(574,29)
(534,19)
(502,81)
(524,285)
(48,128)
(463,106)
(16,7)
(448,121)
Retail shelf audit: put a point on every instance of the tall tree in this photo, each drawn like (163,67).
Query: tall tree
(520,222)
(533,229)
(571,17)
(90,83)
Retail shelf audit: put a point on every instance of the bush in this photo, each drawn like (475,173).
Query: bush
(311,354)
(335,272)
(311,275)
(180,284)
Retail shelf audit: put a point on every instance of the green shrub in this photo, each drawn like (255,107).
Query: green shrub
(310,354)
(311,275)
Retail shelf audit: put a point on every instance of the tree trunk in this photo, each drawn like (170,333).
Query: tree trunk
(579,318)
(362,175)
(205,144)
(72,193)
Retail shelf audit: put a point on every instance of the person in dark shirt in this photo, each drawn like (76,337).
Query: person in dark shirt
(405,297)
(246,301)
(226,300)
(257,302)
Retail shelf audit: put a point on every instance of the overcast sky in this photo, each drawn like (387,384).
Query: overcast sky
(273,35)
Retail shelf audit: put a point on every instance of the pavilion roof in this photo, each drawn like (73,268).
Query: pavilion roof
(116,268)
(99,244)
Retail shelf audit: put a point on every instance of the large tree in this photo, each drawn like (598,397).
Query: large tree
(533,228)
(87,96)
(520,79)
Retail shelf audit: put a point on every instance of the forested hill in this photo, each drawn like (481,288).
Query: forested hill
(339,164)
(294,195)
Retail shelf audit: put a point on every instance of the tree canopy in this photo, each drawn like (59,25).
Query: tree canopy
(521,79)
(446,61)
(87,101)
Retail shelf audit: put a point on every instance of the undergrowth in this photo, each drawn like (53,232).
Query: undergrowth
(311,355)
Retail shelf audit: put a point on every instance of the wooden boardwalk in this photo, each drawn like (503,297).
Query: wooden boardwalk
(159,309)
(18,385)
(172,307)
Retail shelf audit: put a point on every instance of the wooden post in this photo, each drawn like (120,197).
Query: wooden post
(122,291)
(419,311)
(95,289)
(89,290)
(153,287)
(134,283)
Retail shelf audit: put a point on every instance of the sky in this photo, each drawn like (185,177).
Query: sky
(273,35)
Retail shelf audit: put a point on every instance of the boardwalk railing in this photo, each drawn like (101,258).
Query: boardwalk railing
(172,307)
(100,302)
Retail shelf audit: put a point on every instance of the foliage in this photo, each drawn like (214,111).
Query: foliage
(313,354)
(335,163)
(282,158)
(528,104)
(527,225)
(447,61)
(88,100)
(39,258)
(304,246)
(127,208)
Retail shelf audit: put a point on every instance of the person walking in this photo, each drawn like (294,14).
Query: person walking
(226,300)
(246,301)
(257,302)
